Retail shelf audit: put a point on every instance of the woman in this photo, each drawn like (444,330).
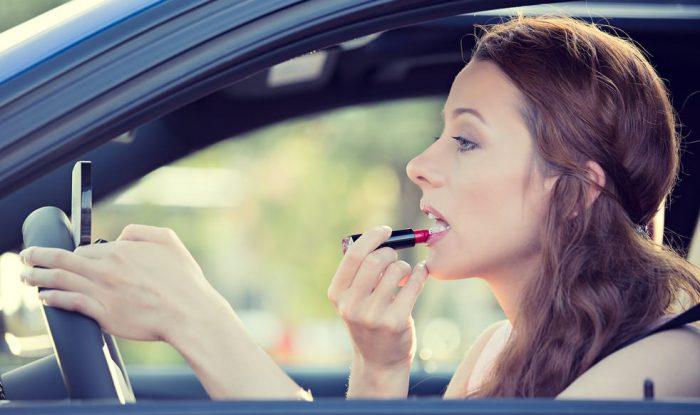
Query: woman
(559,142)
(558,139)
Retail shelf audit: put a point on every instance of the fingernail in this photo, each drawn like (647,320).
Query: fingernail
(23,255)
(424,268)
(42,297)
(347,243)
(386,228)
(24,273)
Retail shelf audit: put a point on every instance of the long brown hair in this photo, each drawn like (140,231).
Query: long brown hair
(588,95)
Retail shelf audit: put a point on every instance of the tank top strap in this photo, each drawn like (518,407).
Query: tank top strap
(689,316)
(667,322)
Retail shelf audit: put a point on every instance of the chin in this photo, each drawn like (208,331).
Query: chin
(443,271)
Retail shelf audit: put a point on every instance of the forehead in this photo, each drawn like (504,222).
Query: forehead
(484,86)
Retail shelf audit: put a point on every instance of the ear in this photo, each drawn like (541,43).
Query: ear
(596,175)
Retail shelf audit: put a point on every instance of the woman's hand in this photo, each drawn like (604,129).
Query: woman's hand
(147,286)
(377,311)
(144,286)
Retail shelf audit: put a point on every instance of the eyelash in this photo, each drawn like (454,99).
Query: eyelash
(462,143)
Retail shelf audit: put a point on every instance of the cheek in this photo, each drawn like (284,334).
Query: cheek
(493,223)
(491,202)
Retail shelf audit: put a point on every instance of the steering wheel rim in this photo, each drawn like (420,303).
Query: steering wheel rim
(79,346)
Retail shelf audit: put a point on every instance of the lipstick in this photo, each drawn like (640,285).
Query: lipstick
(402,238)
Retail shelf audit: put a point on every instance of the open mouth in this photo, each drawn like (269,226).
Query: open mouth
(438,230)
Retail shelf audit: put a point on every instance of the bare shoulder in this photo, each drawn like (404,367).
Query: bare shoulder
(671,359)
(458,384)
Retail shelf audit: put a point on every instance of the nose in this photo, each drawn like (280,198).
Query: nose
(424,171)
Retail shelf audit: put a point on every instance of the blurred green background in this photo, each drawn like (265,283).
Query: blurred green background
(264,214)
(14,12)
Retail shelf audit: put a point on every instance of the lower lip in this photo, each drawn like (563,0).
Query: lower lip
(435,237)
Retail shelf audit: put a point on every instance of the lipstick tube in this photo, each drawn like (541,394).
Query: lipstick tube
(402,238)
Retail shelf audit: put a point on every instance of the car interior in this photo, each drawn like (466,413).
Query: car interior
(419,60)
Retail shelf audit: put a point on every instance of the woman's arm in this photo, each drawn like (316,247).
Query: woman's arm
(228,363)
(371,382)
(146,286)
(671,359)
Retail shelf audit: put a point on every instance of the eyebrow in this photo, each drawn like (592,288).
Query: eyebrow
(459,111)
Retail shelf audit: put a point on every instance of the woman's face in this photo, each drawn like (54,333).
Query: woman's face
(487,188)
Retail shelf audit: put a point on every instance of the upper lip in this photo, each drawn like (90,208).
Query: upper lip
(426,208)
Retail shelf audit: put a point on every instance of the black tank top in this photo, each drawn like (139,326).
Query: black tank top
(688,316)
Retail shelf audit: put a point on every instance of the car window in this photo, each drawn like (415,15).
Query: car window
(22,332)
(264,215)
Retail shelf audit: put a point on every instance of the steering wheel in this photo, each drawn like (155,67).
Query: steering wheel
(88,359)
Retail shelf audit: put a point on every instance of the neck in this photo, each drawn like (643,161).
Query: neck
(508,285)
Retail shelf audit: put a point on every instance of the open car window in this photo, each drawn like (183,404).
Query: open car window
(264,214)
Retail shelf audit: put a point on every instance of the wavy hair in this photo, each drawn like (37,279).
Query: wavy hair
(588,95)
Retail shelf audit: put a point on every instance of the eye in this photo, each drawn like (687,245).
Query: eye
(464,144)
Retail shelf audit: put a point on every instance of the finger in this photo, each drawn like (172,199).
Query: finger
(389,284)
(72,301)
(59,258)
(406,298)
(349,265)
(95,251)
(371,270)
(56,278)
